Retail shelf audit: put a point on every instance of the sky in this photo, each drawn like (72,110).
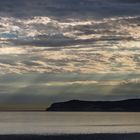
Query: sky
(58,50)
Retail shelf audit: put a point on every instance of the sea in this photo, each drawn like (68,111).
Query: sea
(50,123)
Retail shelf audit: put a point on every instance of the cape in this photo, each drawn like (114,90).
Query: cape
(130,105)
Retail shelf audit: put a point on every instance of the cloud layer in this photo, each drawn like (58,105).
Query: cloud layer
(57,50)
(42,44)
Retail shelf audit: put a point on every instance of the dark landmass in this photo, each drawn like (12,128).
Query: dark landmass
(130,105)
(73,137)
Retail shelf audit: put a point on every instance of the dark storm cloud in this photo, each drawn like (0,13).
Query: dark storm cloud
(129,1)
(46,40)
(67,8)
(60,40)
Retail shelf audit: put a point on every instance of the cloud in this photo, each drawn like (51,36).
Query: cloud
(64,8)
(72,59)
(44,44)
(65,49)
(41,88)
(12,51)
(129,1)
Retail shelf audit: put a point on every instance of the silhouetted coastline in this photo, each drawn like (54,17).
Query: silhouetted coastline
(130,105)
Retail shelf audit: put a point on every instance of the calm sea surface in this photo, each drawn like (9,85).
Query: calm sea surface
(68,123)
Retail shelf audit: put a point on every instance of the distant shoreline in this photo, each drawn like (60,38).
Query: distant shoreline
(130,105)
(131,136)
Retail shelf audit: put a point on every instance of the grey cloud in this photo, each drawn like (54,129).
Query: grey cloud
(36,78)
(32,63)
(31,88)
(130,90)
(128,1)
(66,8)
(40,94)
(59,35)
(60,40)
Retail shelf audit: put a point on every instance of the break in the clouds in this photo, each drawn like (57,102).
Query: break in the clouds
(94,39)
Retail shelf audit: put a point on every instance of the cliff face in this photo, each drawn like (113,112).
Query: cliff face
(132,105)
